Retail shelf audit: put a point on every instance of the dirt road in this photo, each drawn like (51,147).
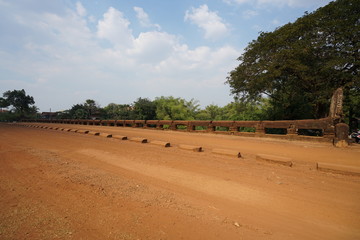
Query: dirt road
(66,185)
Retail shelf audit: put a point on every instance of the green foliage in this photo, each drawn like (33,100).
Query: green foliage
(64,115)
(22,105)
(80,113)
(211,112)
(144,109)
(300,64)
(89,109)
(352,108)
(170,108)
(242,111)
(4,103)
(118,111)
(18,99)
(75,111)
(9,117)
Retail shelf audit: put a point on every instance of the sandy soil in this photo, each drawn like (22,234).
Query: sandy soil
(64,185)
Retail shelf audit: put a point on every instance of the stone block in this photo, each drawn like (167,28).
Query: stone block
(83,131)
(160,143)
(94,133)
(106,135)
(139,140)
(227,152)
(338,168)
(190,148)
(275,159)
(119,137)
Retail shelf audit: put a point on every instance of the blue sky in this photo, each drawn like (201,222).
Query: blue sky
(63,52)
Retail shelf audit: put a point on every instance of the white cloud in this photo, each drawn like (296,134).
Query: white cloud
(209,21)
(92,19)
(278,3)
(41,80)
(80,9)
(231,2)
(275,22)
(61,61)
(115,28)
(144,19)
(250,14)
(257,28)
(152,47)
(291,3)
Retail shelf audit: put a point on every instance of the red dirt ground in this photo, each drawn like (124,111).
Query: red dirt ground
(65,185)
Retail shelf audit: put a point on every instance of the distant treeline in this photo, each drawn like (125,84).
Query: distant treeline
(168,108)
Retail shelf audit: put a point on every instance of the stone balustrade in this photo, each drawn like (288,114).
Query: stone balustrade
(310,129)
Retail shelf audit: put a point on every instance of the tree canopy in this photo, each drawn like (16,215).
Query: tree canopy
(144,109)
(118,111)
(87,110)
(170,108)
(299,65)
(22,104)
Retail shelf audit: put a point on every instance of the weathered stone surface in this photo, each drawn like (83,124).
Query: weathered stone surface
(138,139)
(119,137)
(275,159)
(190,148)
(227,152)
(106,135)
(341,135)
(336,106)
(94,133)
(338,168)
(341,143)
(83,131)
(160,143)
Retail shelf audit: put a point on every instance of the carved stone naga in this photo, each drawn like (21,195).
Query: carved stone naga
(337,116)
(336,106)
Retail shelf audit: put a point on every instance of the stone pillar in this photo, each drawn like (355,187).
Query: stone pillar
(260,129)
(292,130)
(210,127)
(233,129)
(341,135)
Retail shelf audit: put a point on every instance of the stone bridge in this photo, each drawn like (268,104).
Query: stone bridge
(322,130)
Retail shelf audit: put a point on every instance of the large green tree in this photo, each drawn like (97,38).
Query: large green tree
(78,111)
(242,111)
(170,108)
(92,108)
(144,109)
(119,111)
(22,104)
(88,109)
(299,65)
(3,103)
(211,112)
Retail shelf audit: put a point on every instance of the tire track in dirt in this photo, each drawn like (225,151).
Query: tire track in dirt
(199,182)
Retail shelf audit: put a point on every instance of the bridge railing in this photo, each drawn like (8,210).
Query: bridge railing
(311,129)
